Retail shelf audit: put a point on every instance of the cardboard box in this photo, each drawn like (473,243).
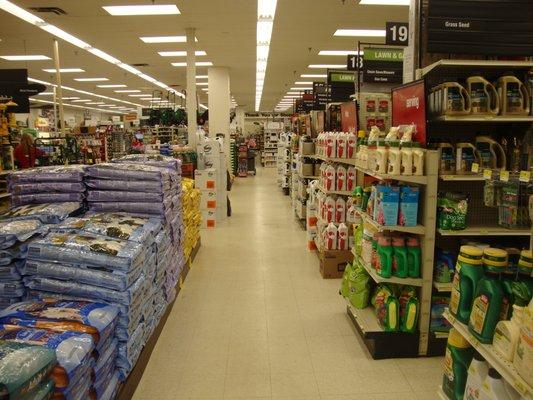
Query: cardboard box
(205,179)
(209,218)
(333,263)
(307,148)
(208,200)
(307,169)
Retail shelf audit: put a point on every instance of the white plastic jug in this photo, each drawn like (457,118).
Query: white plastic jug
(351,145)
(342,237)
(341,178)
(331,237)
(340,210)
(329,177)
(329,212)
(342,141)
(351,176)
(483,96)
(514,96)
(331,145)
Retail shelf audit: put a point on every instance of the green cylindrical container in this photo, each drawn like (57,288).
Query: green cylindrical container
(384,257)
(414,257)
(399,258)
(525,268)
(488,300)
(468,272)
(456,362)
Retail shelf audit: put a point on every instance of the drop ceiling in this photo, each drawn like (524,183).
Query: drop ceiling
(226,30)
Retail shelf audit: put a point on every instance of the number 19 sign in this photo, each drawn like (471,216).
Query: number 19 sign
(397,33)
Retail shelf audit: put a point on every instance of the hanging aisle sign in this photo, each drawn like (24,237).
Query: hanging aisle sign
(322,95)
(383,65)
(341,84)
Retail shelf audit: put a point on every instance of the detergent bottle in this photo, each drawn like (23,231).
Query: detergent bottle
(331,145)
(456,361)
(399,258)
(341,145)
(507,333)
(483,96)
(468,272)
(384,256)
(495,388)
(351,177)
(477,373)
(341,178)
(491,153)
(514,96)
(342,237)
(340,210)
(488,299)
(329,209)
(414,257)
(331,237)
(351,145)
(329,177)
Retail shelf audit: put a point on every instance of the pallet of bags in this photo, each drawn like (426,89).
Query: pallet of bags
(14,239)
(82,335)
(47,213)
(53,184)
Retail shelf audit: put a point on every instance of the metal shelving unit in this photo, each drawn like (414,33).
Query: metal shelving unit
(485,230)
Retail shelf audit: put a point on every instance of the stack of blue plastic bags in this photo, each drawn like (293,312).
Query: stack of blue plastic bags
(54,184)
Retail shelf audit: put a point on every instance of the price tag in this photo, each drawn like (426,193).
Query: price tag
(525,176)
(520,386)
(504,176)
(475,168)
(487,174)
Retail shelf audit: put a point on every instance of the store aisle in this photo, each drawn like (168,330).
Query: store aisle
(255,320)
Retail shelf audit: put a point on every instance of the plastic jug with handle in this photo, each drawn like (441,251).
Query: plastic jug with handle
(466,156)
(450,98)
(514,96)
(483,96)
(491,153)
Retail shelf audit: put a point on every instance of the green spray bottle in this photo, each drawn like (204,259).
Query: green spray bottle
(414,257)
(399,259)
(384,256)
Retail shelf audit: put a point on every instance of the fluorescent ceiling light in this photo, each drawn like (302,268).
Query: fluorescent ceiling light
(314,76)
(202,83)
(78,106)
(264,32)
(385,2)
(322,66)
(25,58)
(151,98)
(110,86)
(128,91)
(337,52)
(61,34)
(292,92)
(202,76)
(96,103)
(302,88)
(139,95)
(163,9)
(360,32)
(165,39)
(104,56)
(70,98)
(81,101)
(303,83)
(205,89)
(266,8)
(63,70)
(198,64)
(291,97)
(203,106)
(91,79)
(45,94)
(181,53)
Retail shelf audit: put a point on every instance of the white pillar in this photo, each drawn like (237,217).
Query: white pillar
(59,92)
(191,86)
(219,105)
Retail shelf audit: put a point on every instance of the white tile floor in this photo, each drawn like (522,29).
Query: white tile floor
(256,320)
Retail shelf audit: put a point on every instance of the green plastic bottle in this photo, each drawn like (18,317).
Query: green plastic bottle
(399,257)
(414,257)
(488,300)
(457,359)
(525,268)
(384,257)
(468,272)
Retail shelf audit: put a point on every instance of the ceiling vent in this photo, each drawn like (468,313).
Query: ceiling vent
(140,65)
(52,10)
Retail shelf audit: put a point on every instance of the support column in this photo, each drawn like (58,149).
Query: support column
(191,86)
(219,105)
(59,92)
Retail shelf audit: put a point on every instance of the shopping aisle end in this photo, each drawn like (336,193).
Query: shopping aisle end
(255,320)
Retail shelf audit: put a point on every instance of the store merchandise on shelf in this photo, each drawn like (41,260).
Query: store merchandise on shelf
(192,217)
(269,151)
(283,162)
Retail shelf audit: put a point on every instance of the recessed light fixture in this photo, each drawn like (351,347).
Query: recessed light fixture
(202,76)
(151,98)
(128,91)
(198,64)
(386,2)
(70,98)
(266,12)
(91,79)
(303,83)
(25,58)
(202,83)
(165,39)
(291,96)
(360,32)
(181,53)
(110,86)
(63,70)
(152,9)
(84,106)
(96,103)
(337,52)
(323,66)
(81,101)
(139,95)
(313,76)
(302,88)
(46,94)
(205,89)
(292,92)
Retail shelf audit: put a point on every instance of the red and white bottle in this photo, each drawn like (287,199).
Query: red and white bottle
(331,237)
(350,178)
(342,237)
(340,210)
(329,206)
(331,144)
(341,145)
(351,145)
(341,178)
(329,177)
